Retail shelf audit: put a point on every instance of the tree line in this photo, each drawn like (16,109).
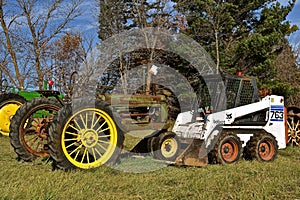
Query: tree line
(246,36)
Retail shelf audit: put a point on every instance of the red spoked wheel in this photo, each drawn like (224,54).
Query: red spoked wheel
(29,128)
(293,126)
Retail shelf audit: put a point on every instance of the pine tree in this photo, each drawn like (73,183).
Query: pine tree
(240,35)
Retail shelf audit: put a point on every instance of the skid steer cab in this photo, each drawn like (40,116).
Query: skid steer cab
(254,131)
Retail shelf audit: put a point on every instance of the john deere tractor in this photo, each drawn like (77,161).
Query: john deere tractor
(29,126)
(10,101)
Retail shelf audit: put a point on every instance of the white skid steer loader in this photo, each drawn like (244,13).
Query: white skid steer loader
(256,130)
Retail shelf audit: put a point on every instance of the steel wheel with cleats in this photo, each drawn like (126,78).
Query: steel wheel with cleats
(86,138)
(293,123)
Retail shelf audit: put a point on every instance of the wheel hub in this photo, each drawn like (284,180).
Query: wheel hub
(89,138)
(169,147)
(40,131)
(226,150)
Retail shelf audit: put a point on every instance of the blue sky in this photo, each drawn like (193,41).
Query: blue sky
(294,18)
(88,21)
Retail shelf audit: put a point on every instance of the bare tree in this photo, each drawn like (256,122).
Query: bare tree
(118,16)
(28,28)
(67,53)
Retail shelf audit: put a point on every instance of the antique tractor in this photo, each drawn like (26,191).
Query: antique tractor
(29,126)
(11,99)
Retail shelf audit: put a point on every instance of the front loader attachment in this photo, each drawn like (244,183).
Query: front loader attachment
(194,155)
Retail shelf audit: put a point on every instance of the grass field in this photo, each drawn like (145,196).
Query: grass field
(244,180)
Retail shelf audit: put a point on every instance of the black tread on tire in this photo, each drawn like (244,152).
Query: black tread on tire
(227,149)
(25,124)
(262,147)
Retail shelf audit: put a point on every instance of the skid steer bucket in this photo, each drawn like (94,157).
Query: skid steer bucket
(194,155)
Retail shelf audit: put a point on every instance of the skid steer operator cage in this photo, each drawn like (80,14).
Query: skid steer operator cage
(239,91)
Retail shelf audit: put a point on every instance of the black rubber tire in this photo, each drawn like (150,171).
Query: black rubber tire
(10,98)
(60,160)
(218,153)
(159,144)
(258,145)
(24,116)
(4,98)
(150,143)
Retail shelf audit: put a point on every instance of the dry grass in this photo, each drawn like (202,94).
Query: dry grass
(244,180)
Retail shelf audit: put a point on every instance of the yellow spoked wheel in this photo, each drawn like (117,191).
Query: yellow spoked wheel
(9,104)
(89,138)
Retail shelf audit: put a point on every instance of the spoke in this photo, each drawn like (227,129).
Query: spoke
(32,140)
(41,145)
(70,133)
(94,124)
(105,142)
(35,146)
(70,144)
(297,125)
(99,153)
(75,121)
(26,131)
(75,158)
(35,119)
(86,119)
(74,127)
(71,139)
(93,151)
(93,119)
(102,130)
(87,155)
(289,125)
(103,136)
(84,124)
(101,146)
(84,152)
(76,149)
(101,126)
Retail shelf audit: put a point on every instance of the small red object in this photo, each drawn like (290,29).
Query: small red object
(240,73)
(50,82)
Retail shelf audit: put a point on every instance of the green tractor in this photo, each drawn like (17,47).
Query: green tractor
(10,101)
(29,125)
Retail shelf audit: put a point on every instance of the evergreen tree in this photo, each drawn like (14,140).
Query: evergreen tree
(240,35)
